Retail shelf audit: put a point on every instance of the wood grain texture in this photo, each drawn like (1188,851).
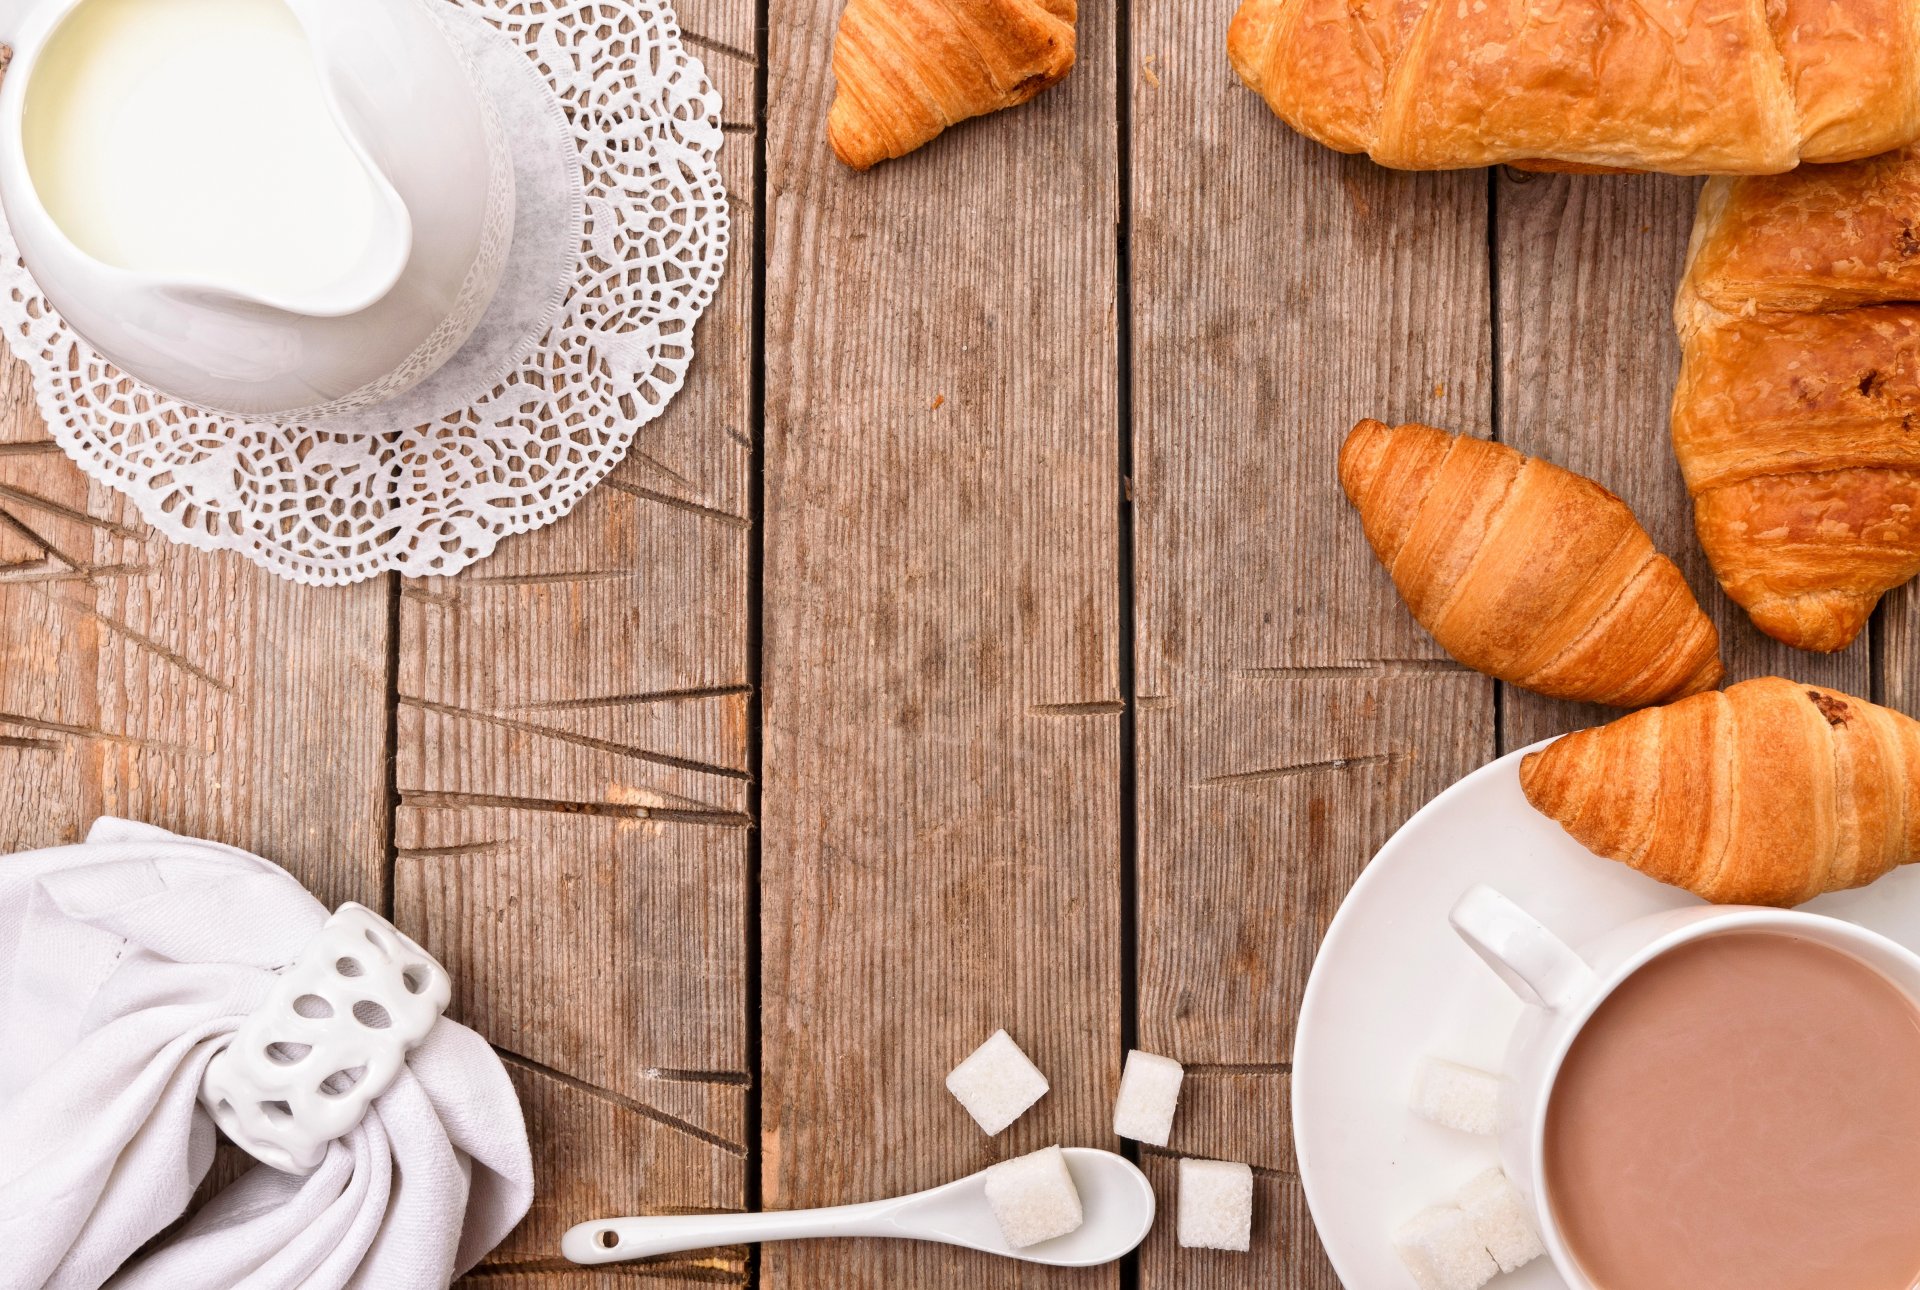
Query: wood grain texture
(1285,1255)
(1896,651)
(941,807)
(572,767)
(1587,268)
(188,690)
(1291,714)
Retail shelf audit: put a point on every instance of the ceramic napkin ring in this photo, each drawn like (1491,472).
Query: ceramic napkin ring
(303,1068)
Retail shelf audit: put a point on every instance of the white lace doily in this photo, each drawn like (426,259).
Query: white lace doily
(539,406)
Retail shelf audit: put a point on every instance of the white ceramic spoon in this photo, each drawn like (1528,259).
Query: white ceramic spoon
(1114,1195)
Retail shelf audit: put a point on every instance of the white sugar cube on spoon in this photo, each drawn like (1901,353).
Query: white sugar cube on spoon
(997,1083)
(1033,1197)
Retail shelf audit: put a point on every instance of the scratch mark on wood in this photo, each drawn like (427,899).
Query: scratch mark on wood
(625,700)
(458,849)
(33,535)
(623,1101)
(582,741)
(548,579)
(86,574)
(40,503)
(1363,667)
(739,1079)
(672,1267)
(147,643)
(1156,702)
(90,732)
(1261,1171)
(428,800)
(1294,772)
(413,591)
(718,47)
(642,455)
(1100,709)
(1238,1068)
(681,503)
(28,744)
(38,448)
(19,526)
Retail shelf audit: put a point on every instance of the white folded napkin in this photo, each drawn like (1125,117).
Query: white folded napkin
(124,964)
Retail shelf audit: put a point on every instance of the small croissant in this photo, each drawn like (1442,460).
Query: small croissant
(1525,571)
(1769,793)
(908,69)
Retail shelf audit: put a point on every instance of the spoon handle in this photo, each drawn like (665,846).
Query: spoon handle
(612,1240)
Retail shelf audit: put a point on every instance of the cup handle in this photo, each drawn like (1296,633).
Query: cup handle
(1535,964)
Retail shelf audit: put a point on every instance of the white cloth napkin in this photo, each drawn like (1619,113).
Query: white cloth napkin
(124,963)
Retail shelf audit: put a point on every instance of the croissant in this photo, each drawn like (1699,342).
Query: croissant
(907,69)
(1686,86)
(1767,794)
(1799,395)
(1525,571)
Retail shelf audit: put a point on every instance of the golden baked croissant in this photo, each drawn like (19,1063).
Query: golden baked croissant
(1797,416)
(1767,794)
(1525,571)
(907,69)
(1687,86)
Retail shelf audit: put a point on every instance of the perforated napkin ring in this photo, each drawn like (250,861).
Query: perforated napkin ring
(330,1038)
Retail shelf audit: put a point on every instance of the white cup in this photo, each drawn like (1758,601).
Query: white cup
(1563,988)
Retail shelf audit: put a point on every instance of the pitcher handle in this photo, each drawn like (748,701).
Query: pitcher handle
(1535,964)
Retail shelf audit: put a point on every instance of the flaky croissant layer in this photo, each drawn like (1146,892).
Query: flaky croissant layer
(1769,793)
(1687,86)
(907,69)
(1525,571)
(1794,418)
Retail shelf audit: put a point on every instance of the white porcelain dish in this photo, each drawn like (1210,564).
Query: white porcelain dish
(1393,983)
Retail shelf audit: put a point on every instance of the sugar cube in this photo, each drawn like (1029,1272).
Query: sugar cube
(1216,1205)
(1456,1096)
(1149,1090)
(997,1083)
(1500,1220)
(1033,1197)
(1441,1249)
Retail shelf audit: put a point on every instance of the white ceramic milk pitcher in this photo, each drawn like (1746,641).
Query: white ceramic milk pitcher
(366,290)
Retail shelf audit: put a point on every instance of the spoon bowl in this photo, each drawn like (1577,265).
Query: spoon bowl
(1114,1196)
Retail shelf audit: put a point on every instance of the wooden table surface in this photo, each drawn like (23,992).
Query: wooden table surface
(979,640)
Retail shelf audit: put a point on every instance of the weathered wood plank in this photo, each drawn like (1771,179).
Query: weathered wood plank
(572,764)
(941,806)
(1588,266)
(192,691)
(1291,714)
(617,1152)
(1896,651)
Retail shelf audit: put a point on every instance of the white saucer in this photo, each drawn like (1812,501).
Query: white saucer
(1393,984)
